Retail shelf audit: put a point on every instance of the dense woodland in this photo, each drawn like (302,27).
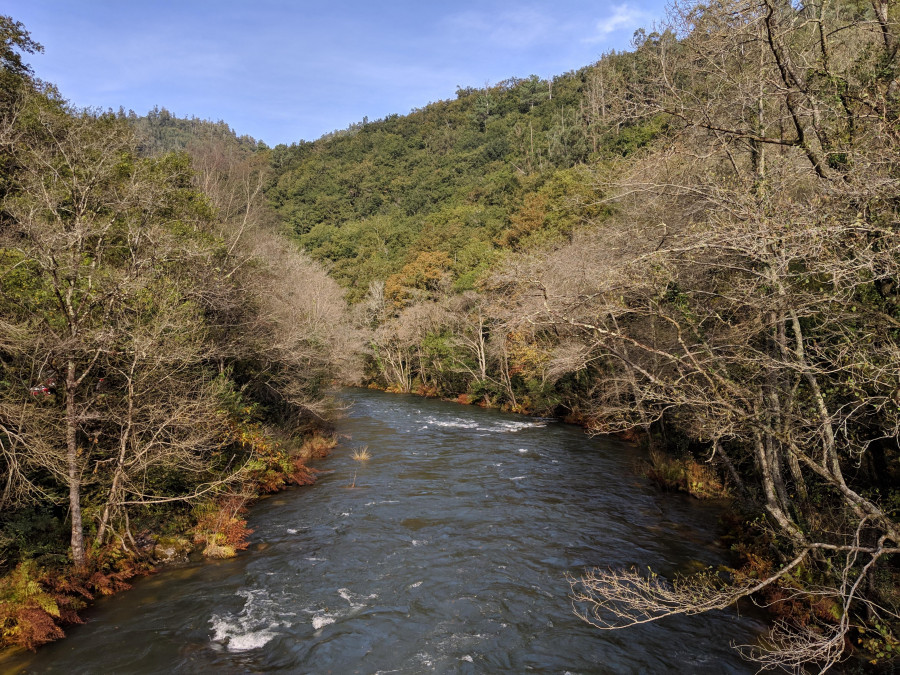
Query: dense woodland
(695,242)
(164,351)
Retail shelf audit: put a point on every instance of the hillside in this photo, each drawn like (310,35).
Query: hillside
(696,242)
(501,168)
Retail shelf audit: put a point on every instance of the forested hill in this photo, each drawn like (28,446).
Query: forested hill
(455,181)
(507,167)
(164,351)
(698,240)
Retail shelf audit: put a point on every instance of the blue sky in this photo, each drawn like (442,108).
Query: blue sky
(283,71)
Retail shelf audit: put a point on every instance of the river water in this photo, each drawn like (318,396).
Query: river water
(449,555)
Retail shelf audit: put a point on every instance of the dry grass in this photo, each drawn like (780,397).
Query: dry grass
(317,446)
(361,454)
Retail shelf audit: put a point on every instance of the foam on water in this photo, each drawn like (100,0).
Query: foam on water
(425,659)
(356,602)
(502,426)
(252,627)
(243,643)
(455,423)
(513,427)
(322,620)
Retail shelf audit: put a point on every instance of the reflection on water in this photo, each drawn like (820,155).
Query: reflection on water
(449,555)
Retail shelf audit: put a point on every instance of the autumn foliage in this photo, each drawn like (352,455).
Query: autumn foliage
(36,602)
(164,350)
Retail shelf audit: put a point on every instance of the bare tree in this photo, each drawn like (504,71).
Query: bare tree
(104,309)
(748,300)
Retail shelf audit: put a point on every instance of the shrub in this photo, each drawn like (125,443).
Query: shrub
(220,529)
(684,475)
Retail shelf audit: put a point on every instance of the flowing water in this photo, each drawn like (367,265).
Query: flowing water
(449,555)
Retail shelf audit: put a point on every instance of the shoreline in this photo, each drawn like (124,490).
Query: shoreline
(56,610)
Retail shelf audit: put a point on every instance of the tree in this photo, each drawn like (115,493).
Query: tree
(97,230)
(14,40)
(760,332)
(744,299)
(284,326)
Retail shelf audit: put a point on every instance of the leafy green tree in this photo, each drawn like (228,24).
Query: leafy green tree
(98,228)
(14,40)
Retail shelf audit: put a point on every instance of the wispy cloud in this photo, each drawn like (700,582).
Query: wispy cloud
(519,29)
(623,16)
(529,27)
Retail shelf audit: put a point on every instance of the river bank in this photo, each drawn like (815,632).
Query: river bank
(42,598)
(454,543)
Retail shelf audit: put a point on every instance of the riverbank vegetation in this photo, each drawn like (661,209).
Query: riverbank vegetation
(697,240)
(163,350)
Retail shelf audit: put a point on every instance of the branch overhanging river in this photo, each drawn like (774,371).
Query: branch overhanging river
(446,551)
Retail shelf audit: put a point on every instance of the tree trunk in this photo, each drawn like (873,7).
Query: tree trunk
(73,470)
(768,483)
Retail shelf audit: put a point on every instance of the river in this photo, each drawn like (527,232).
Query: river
(445,552)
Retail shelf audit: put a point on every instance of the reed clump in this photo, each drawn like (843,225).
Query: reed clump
(317,445)
(361,454)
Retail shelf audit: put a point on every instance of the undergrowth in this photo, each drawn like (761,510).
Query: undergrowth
(684,474)
(43,593)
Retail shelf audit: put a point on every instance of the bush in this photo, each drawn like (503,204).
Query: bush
(684,475)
